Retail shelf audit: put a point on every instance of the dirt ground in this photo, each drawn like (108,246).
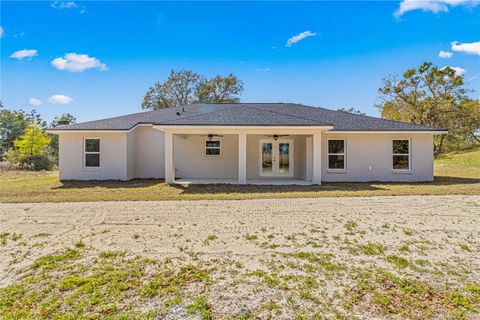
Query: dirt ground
(433,234)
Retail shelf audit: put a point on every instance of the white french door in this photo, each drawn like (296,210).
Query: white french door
(276,158)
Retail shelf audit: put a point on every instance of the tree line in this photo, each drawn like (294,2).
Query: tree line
(24,142)
(425,95)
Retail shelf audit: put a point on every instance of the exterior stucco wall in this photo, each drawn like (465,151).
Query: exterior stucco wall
(191,162)
(369,158)
(149,153)
(113,157)
(131,151)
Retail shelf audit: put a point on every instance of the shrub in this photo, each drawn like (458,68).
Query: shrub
(37,162)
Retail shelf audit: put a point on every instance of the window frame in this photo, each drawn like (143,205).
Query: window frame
(205,148)
(344,154)
(85,152)
(409,154)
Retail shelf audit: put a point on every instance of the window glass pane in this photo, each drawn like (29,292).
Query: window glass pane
(212,152)
(284,157)
(92,145)
(400,163)
(92,160)
(336,146)
(212,144)
(336,162)
(400,146)
(267,165)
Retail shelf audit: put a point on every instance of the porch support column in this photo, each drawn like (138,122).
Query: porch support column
(242,158)
(317,158)
(169,166)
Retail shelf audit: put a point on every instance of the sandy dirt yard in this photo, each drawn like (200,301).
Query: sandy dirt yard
(376,257)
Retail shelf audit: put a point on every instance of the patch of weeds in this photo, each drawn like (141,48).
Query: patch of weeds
(16,236)
(80,244)
(323,261)
(201,306)
(404,248)
(399,262)
(211,237)
(270,280)
(270,236)
(250,237)
(4,238)
(464,246)
(408,232)
(136,236)
(51,261)
(111,254)
(350,225)
(42,234)
(238,264)
(373,248)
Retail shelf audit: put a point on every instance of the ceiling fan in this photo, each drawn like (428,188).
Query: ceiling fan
(211,136)
(276,136)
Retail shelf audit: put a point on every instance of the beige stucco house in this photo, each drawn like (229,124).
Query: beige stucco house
(246,143)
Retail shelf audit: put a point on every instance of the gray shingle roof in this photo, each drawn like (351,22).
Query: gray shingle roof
(249,114)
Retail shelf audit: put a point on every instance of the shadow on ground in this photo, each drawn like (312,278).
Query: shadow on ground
(228,188)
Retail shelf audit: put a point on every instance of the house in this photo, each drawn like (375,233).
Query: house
(246,143)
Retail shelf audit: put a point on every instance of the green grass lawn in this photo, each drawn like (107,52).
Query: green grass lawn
(455,173)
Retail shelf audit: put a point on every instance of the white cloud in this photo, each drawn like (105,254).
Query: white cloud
(60,5)
(299,37)
(445,54)
(2,32)
(458,71)
(434,6)
(75,62)
(60,99)
(34,102)
(25,53)
(469,48)
(262,69)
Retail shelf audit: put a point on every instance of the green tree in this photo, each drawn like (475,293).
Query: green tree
(433,96)
(186,86)
(62,120)
(33,142)
(352,110)
(12,126)
(220,90)
(178,89)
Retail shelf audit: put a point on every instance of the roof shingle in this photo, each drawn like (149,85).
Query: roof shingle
(249,114)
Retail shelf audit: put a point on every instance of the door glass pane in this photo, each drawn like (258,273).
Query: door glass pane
(283,157)
(267,165)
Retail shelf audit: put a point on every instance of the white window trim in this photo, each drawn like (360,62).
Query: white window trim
(205,148)
(409,154)
(344,154)
(85,152)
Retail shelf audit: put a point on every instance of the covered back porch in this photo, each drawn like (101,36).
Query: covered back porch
(242,155)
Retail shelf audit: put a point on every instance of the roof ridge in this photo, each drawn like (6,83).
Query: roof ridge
(201,114)
(284,114)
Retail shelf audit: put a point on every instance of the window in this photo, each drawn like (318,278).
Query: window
(212,148)
(401,154)
(92,153)
(336,154)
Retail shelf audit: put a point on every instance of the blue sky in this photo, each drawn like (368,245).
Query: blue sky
(347,48)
